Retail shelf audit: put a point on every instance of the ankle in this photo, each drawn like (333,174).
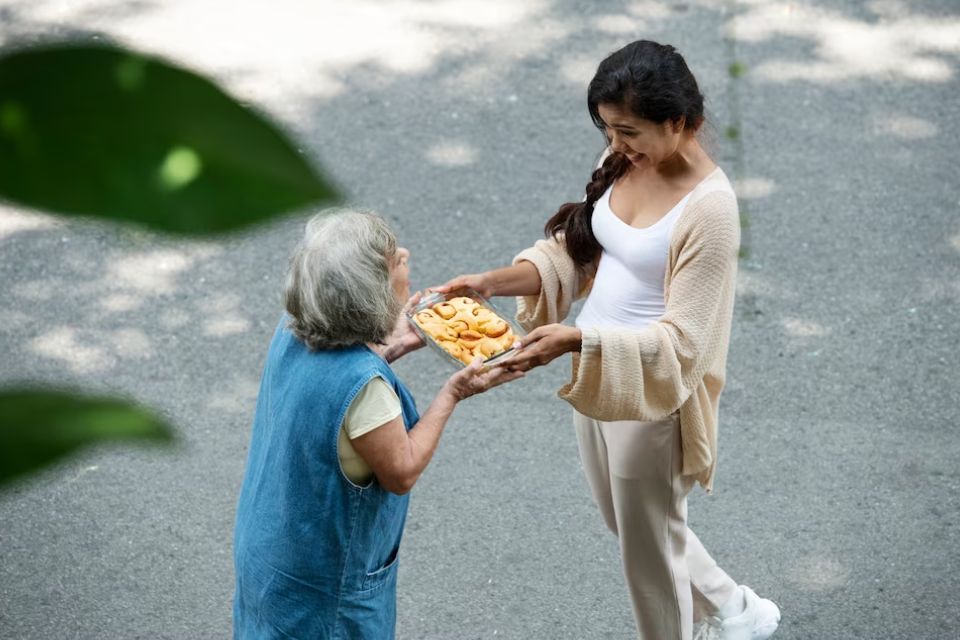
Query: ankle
(734,606)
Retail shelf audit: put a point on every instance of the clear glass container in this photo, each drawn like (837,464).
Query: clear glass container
(468,326)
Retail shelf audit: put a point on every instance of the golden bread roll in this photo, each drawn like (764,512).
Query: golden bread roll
(494,328)
(468,319)
(458,325)
(439,331)
(484,316)
(463,302)
(452,348)
(445,310)
(425,316)
(470,338)
(490,347)
(466,355)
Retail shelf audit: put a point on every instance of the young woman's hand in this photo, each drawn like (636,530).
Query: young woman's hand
(543,345)
(479,282)
(474,379)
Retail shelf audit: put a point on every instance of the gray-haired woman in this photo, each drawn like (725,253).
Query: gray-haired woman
(337,442)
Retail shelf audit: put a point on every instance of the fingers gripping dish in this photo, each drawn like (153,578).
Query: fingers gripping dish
(465,328)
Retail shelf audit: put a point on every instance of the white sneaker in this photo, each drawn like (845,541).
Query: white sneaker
(758,621)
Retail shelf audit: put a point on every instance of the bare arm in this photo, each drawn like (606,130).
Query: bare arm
(397,456)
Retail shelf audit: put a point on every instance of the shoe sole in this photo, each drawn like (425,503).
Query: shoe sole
(764,632)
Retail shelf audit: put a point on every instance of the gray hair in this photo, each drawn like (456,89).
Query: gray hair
(338,290)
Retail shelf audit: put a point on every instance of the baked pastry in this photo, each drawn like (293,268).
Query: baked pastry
(470,338)
(458,325)
(468,319)
(439,331)
(426,316)
(495,328)
(466,329)
(483,315)
(489,347)
(445,310)
(463,302)
(452,348)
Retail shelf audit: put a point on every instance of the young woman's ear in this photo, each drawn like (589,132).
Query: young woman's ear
(679,124)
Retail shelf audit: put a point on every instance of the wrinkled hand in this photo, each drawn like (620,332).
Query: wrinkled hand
(476,379)
(476,281)
(403,339)
(543,345)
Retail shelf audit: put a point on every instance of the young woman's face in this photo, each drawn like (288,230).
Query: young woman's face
(645,143)
(400,274)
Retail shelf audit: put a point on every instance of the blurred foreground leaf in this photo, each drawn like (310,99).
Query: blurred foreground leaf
(100,131)
(37,427)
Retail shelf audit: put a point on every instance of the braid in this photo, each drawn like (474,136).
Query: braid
(574,219)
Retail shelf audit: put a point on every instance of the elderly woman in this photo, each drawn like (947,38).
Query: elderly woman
(337,442)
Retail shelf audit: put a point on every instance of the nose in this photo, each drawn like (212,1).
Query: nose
(616,143)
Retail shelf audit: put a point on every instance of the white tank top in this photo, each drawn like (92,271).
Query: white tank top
(628,288)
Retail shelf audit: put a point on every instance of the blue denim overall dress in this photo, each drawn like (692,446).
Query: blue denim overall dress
(315,555)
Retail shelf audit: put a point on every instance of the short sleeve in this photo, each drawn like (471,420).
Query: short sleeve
(375,405)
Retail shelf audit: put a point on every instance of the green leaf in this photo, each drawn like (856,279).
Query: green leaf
(100,131)
(40,426)
(737,69)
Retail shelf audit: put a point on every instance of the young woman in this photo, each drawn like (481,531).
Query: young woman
(337,442)
(654,248)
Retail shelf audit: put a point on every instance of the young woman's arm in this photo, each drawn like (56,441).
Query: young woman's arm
(521,279)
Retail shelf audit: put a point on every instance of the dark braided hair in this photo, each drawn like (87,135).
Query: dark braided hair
(653,81)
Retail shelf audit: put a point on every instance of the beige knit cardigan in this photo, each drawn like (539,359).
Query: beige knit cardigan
(675,363)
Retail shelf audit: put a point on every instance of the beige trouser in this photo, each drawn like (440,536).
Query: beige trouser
(634,473)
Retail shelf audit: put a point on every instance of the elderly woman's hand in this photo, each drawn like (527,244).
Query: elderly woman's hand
(403,339)
(475,379)
(543,345)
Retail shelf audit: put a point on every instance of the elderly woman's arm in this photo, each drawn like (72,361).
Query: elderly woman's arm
(397,456)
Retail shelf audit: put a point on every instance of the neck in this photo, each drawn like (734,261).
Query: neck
(689,160)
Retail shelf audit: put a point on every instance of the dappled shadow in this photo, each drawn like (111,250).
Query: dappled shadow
(464,123)
(895,40)
(848,124)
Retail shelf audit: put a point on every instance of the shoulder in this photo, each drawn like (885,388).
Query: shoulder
(370,363)
(378,391)
(375,405)
(714,193)
(712,206)
(355,364)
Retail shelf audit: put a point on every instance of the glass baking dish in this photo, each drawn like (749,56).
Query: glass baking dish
(477,336)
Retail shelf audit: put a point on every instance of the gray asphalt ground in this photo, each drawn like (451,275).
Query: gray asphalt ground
(464,122)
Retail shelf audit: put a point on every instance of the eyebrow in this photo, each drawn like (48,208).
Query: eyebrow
(615,125)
